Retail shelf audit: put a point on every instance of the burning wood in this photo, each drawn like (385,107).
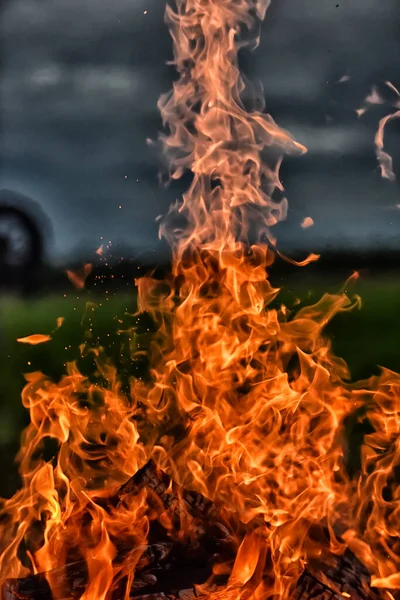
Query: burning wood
(308,588)
(169,571)
(160,571)
(245,403)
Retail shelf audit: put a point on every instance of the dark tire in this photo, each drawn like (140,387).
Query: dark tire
(25,232)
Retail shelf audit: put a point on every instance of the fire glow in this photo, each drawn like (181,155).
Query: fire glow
(244,414)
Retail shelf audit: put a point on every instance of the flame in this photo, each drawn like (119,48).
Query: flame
(78,278)
(307,222)
(40,338)
(246,405)
(385,161)
(34,339)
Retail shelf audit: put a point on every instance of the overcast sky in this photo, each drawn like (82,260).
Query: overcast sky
(79,85)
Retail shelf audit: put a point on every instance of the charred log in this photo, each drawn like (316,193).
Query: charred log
(170,570)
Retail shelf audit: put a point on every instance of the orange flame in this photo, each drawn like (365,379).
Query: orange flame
(260,397)
(78,278)
(307,222)
(34,339)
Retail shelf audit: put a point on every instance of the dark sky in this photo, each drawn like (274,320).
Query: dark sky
(79,85)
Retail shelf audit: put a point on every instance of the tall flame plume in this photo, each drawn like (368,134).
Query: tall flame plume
(247,403)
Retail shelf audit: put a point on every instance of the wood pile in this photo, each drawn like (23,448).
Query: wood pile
(171,570)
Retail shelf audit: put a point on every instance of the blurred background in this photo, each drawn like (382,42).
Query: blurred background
(79,86)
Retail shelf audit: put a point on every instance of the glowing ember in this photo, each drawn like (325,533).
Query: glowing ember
(307,222)
(78,278)
(246,403)
(34,339)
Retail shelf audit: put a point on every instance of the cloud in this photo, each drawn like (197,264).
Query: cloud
(333,140)
(79,88)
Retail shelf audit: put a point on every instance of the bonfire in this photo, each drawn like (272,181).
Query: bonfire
(222,475)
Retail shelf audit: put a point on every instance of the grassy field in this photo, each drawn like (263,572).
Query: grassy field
(365,338)
(20,318)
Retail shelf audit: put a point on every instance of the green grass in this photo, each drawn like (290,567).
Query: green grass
(21,318)
(365,338)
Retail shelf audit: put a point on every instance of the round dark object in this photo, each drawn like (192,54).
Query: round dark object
(24,232)
(21,243)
